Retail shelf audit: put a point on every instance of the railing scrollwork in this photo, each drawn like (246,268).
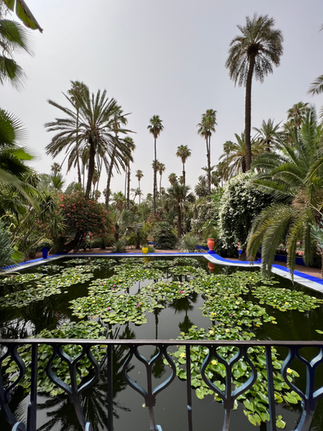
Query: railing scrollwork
(9,352)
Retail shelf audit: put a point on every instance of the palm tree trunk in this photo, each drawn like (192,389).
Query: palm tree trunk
(128,189)
(108,191)
(248,112)
(77,144)
(139,190)
(184,183)
(91,170)
(155,177)
(179,221)
(208,155)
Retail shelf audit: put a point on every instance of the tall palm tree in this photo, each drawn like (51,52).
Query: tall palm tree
(118,122)
(131,146)
(183,152)
(234,156)
(139,175)
(136,192)
(79,87)
(155,127)
(201,188)
(268,135)
(55,168)
(160,168)
(177,194)
(172,178)
(295,177)
(253,53)
(93,132)
(118,200)
(205,129)
(297,114)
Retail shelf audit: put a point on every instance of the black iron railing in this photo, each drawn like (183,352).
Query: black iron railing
(10,349)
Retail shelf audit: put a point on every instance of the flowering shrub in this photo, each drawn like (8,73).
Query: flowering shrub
(82,216)
(240,203)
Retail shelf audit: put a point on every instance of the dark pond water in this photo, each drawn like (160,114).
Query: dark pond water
(56,413)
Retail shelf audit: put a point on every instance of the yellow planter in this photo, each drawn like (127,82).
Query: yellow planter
(145,250)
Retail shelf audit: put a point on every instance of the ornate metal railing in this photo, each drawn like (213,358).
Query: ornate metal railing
(9,349)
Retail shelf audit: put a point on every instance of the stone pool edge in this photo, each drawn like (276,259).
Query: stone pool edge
(299,277)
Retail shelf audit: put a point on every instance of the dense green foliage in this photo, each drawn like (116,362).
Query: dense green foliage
(164,236)
(294,176)
(81,216)
(240,203)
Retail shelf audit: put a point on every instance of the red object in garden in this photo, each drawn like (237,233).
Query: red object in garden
(211,243)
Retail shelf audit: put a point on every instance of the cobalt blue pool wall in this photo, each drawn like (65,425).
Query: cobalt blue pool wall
(310,281)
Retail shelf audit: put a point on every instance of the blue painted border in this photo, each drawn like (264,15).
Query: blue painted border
(300,274)
(212,253)
(223,259)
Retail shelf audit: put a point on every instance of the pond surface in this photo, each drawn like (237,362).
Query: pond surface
(63,296)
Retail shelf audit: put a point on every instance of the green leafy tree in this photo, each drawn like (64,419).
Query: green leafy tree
(164,236)
(81,216)
(253,53)
(155,127)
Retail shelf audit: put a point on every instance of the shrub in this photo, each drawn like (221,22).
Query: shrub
(190,241)
(164,236)
(119,247)
(44,243)
(81,216)
(240,203)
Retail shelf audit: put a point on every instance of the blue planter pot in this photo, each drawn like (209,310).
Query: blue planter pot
(45,251)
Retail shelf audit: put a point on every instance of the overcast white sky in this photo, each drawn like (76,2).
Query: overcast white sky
(166,58)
